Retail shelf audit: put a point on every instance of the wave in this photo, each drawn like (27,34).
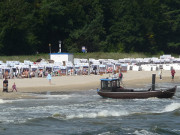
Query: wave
(171,107)
(144,132)
(8,120)
(103,113)
(5,101)
(58,96)
(2,101)
(105,133)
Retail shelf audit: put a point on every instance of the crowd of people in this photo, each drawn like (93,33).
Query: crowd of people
(49,77)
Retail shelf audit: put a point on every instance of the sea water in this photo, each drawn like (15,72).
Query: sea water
(86,113)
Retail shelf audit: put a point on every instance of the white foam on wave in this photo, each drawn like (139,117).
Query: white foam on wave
(144,132)
(1,101)
(103,113)
(55,96)
(59,96)
(105,133)
(171,107)
(14,120)
(4,101)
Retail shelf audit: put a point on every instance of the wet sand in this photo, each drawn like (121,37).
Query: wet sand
(131,79)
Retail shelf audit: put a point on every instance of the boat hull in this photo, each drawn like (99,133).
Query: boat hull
(168,93)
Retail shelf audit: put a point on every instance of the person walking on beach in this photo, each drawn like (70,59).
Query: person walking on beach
(49,77)
(5,85)
(173,73)
(14,87)
(120,77)
(160,74)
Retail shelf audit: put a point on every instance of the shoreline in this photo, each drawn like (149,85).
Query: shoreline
(131,79)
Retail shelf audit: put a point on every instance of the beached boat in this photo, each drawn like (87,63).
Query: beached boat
(110,88)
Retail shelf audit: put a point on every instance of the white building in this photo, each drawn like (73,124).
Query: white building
(62,57)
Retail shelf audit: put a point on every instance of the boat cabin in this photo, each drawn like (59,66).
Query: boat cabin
(110,84)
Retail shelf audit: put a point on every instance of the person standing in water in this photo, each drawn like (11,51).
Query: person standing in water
(160,74)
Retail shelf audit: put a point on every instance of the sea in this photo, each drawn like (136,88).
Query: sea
(86,113)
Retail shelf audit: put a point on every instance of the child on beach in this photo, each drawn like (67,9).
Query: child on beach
(173,73)
(49,78)
(14,87)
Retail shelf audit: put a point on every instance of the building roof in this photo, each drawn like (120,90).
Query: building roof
(109,79)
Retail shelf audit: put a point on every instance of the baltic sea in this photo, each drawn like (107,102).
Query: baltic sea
(86,113)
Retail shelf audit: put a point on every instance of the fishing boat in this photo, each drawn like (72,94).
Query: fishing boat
(110,88)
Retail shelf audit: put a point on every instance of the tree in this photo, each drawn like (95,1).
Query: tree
(91,33)
(13,27)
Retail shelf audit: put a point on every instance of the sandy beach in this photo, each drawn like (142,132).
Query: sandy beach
(131,79)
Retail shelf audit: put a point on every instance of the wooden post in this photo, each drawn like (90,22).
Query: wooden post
(153,81)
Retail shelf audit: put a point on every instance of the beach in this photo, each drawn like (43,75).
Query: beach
(71,105)
(131,79)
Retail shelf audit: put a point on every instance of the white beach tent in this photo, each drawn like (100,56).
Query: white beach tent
(95,62)
(121,60)
(175,66)
(110,67)
(48,67)
(94,67)
(155,60)
(84,60)
(56,68)
(84,68)
(1,72)
(6,71)
(77,70)
(70,69)
(167,61)
(165,56)
(117,66)
(140,60)
(34,67)
(110,59)
(25,67)
(91,60)
(76,61)
(124,67)
(127,60)
(102,69)
(129,67)
(101,61)
(146,60)
(146,67)
(1,63)
(63,70)
(166,66)
(134,61)
(176,60)
(135,68)
(27,62)
(105,62)
(154,67)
